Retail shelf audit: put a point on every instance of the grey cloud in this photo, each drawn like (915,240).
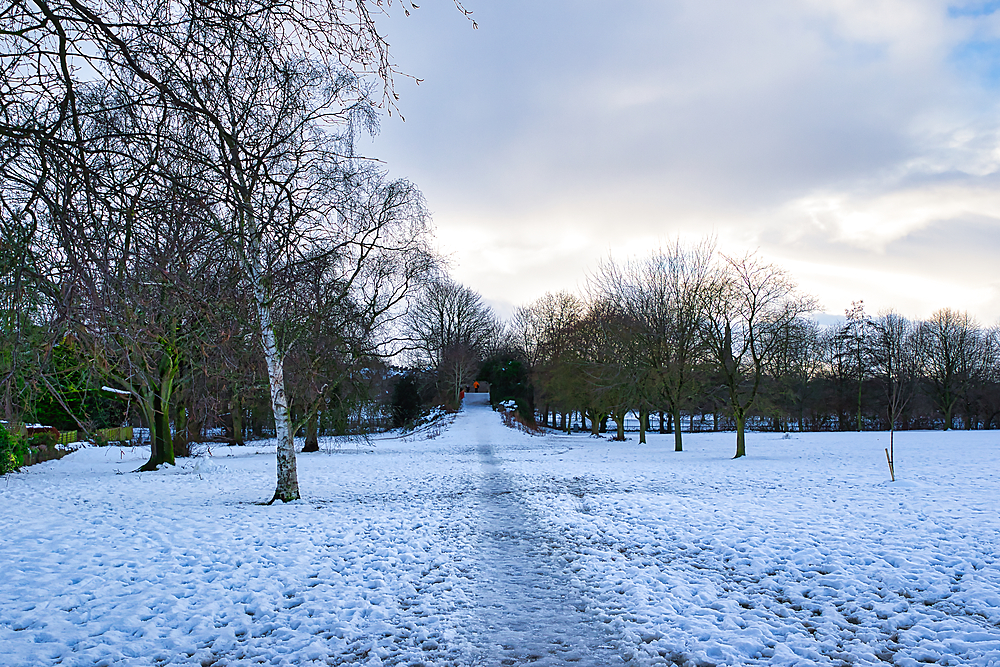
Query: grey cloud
(653,118)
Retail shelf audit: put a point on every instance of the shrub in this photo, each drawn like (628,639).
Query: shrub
(509,380)
(513,418)
(46,439)
(13,451)
(406,403)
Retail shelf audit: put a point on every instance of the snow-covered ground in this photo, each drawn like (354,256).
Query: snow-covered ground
(484,546)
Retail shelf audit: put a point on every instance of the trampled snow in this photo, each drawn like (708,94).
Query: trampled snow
(486,546)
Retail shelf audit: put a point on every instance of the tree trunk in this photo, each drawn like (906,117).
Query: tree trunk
(236,411)
(287,487)
(193,425)
(678,443)
(165,442)
(741,443)
(643,417)
(161,444)
(663,428)
(860,426)
(569,423)
(312,433)
(619,418)
(148,405)
(181,431)
(256,423)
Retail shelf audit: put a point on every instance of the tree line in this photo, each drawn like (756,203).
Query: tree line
(689,331)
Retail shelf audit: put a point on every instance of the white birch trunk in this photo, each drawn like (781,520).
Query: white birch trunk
(288,480)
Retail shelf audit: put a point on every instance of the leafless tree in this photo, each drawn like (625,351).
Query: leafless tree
(752,302)
(448,325)
(851,352)
(543,331)
(793,367)
(608,378)
(263,84)
(125,248)
(664,297)
(954,353)
(341,305)
(896,361)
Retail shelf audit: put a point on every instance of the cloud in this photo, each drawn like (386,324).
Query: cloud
(838,134)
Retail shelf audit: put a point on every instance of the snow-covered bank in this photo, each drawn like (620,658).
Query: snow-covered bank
(483,545)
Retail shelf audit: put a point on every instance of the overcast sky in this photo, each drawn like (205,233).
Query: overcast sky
(854,142)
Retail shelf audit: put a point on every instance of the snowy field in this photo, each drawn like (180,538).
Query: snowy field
(484,546)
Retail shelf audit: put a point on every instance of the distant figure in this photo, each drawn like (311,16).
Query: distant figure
(475,386)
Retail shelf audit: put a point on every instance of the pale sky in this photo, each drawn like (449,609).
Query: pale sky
(856,143)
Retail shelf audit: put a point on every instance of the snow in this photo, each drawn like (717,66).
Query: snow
(120,392)
(484,545)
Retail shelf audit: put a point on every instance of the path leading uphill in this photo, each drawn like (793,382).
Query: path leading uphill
(528,610)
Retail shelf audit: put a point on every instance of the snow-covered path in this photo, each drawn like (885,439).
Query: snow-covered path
(480,545)
(528,609)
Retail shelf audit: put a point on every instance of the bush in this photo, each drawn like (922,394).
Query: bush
(13,451)
(509,380)
(47,440)
(406,403)
(513,418)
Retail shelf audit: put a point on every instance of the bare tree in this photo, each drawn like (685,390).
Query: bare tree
(340,306)
(952,347)
(853,350)
(543,331)
(664,297)
(895,356)
(608,377)
(451,330)
(793,367)
(263,84)
(751,304)
(125,246)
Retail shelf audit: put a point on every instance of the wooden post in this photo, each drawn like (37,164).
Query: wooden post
(888,459)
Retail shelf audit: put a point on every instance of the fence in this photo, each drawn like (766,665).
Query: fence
(104,435)
(690,423)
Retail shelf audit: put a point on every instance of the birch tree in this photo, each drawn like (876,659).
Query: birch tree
(278,88)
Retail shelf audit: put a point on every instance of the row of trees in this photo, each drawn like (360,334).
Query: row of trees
(183,212)
(690,332)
